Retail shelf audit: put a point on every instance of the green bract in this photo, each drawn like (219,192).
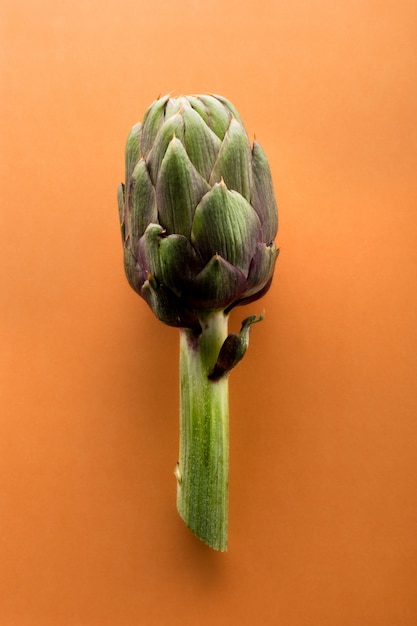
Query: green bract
(198,212)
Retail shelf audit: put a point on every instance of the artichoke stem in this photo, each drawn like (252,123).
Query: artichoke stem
(203,469)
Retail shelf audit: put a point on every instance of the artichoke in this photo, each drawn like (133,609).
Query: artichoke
(198,218)
(198,212)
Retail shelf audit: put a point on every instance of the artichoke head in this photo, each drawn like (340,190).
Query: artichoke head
(197,211)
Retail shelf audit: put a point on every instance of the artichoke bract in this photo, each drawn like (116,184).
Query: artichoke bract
(198,219)
(198,211)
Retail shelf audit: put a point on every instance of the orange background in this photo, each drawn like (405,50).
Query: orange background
(323,501)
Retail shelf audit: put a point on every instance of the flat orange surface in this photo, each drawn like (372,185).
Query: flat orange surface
(323,484)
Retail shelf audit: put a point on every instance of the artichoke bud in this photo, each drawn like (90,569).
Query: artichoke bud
(197,210)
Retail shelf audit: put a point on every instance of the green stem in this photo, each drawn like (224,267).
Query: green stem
(203,469)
